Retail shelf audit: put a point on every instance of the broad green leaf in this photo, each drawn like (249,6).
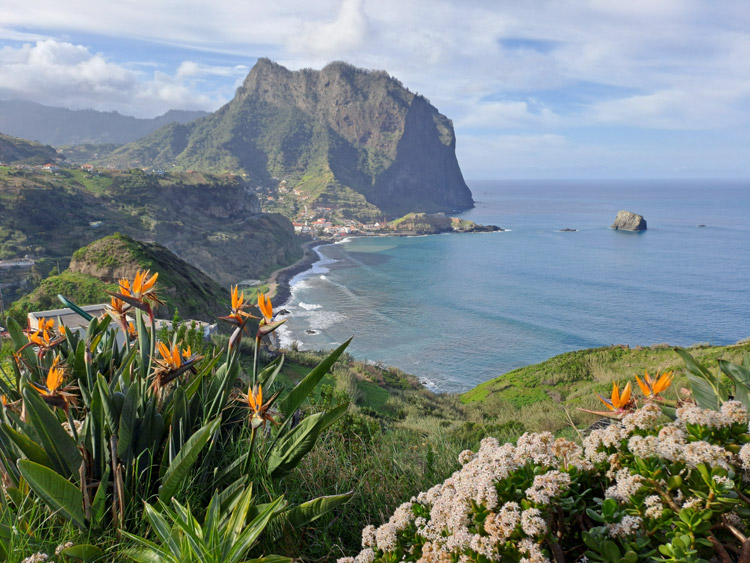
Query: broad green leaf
(161,528)
(29,447)
(99,504)
(248,536)
(741,378)
(20,340)
(84,552)
(267,377)
(303,514)
(75,308)
(60,447)
(126,433)
(703,383)
(289,450)
(58,493)
(296,396)
(183,462)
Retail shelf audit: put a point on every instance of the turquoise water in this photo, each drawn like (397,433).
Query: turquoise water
(459,309)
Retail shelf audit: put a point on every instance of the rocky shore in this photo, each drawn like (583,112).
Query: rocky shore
(279,287)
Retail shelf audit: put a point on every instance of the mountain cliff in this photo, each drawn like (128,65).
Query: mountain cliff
(60,126)
(340,137)
(212,222)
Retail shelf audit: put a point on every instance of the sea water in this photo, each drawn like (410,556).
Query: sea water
(459,309)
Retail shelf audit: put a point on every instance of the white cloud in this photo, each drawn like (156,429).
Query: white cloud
(540,67)
(63,74)
(332,38)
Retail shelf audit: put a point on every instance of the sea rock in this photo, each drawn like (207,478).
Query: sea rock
(568,230)
(628,221)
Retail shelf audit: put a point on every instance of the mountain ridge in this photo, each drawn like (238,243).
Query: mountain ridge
(343,136)
(61,126)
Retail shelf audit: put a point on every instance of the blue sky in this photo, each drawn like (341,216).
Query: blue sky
(535,89)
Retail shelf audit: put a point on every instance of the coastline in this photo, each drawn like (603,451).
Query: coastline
(279,282)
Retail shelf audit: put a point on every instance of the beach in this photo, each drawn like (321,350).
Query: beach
(279,282)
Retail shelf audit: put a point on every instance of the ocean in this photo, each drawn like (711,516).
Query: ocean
(460,309)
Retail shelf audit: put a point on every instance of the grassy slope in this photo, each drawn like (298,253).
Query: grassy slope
(181,286)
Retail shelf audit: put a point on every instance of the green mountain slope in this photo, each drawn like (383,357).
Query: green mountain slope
(97,268)
(328,134)
(212,222)
(13,149)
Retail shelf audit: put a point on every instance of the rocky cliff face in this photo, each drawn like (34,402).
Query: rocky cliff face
(334,134)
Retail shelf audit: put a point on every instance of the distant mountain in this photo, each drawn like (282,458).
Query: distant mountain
(13,149)
(60,126)
(340,137)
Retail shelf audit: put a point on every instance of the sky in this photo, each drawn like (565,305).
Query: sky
(535,88)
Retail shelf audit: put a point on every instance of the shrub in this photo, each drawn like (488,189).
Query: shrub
(97,423)
(646,487)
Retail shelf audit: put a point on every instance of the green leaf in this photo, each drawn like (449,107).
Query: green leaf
(248,536)
(29,447)
(60,447)
(75,308)
(184,460)
(270,559)
(99,504)
(296,396)
(84,552)
(309,511)
(703,383)
(161,528)
(611,551)
(58,493)
(291,448)
(267,377)
(126,432)
(741,378)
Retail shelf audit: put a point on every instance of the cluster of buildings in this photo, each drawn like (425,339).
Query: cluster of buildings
(320,223)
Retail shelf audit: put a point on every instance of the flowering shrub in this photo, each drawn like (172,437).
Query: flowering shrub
(643,488)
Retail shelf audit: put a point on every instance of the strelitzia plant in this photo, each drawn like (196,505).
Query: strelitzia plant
(224,536)
(143,415)
(652,387)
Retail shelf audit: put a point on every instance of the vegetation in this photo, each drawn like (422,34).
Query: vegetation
(664,482)
(378,438)
(92,429)
(53,215)
(13,149)
(352,141)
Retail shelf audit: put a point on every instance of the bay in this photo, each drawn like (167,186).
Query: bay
(459,309)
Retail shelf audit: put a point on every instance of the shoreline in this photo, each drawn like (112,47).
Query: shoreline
(279,282)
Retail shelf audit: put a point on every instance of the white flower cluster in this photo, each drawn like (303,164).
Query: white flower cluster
(645,418)
(626,485)
(36,558)
(547,486)
(450,531)
(731,412)
(63,546)
(745,456)
(628,526)
(654,507)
